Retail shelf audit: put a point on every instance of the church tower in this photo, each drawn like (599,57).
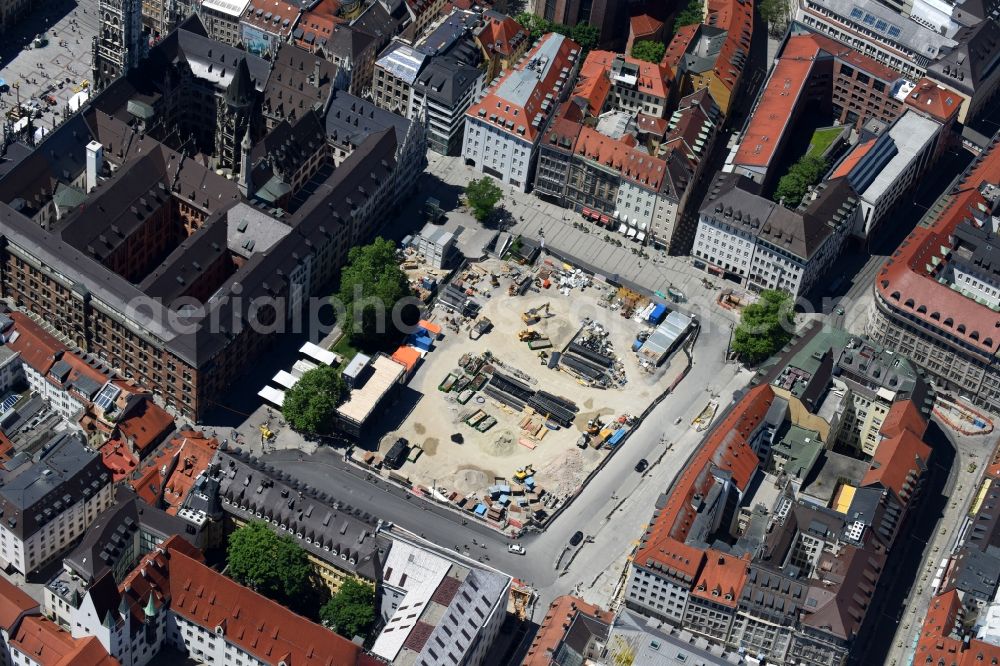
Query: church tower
(118,45)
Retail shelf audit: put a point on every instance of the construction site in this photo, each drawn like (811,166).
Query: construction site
(539,375)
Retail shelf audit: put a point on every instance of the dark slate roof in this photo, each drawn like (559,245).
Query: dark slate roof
(446,80)
(37,489)
(12,156)
(348,42)
(240,90)
(976,248)
(133,193)
(974,59)
(289,146)
(195,256)
(801,232)
(975,572)
(293,86)
(352,119)
(329,527)
(358,176)
(380,23)
(108,535)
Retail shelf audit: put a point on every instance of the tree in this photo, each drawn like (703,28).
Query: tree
(765,326)
(792,187)
(692,14)
(535,25)
(649,50)
(585,35)
(371,285)
(351,611)
(481,196)
(775,12)
(309,405)
(274,566)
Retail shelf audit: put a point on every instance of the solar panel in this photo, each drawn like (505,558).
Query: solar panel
(107,396)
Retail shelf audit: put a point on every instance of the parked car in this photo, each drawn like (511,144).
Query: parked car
(642,465)
(516,548)
(576,538)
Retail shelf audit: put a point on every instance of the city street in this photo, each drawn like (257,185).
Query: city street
(598,511)
(935,531)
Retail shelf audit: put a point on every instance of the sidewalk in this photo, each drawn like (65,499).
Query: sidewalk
(553,226)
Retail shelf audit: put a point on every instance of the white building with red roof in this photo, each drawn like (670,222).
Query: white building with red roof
(503,128)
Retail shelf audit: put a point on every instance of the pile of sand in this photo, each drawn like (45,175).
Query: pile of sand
(501,446)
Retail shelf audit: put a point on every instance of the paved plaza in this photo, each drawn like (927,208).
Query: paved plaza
(67,59)
(553,225)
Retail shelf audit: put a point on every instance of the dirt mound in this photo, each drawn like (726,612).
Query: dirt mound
(500,446)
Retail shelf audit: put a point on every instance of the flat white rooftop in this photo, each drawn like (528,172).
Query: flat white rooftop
(384,373)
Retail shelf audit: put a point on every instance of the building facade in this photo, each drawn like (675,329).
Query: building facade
(118,46)
(767,246)
(504,128)
(222,19)
(918,312)
(50,502)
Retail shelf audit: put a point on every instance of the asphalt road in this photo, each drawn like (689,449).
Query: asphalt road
(613,536)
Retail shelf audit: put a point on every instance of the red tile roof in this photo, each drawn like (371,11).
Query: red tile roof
(775,109)
(255,624)
(936,645)
(36,346)
(593,83)
(736,18)
(902,416)
(721,579)
(13,602)
(634,164)
(145,424)
(119,460)
(898,463)
(517,115)
(644,26)
(725,448)
(279,11)
(151,577)
(935,100)
(654,78)
(905,283)
(555,624)
(183,458)
(852,159)
(46,643)
(652,124)
(678,46)
(502,34)
(318,21)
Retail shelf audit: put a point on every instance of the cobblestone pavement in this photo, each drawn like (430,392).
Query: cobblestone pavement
(70,27)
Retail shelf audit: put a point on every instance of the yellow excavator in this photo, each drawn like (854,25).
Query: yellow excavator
(533,315)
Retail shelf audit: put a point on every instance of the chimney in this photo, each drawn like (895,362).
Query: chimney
(95,162)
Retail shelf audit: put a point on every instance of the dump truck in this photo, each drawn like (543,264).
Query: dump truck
(539,343)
